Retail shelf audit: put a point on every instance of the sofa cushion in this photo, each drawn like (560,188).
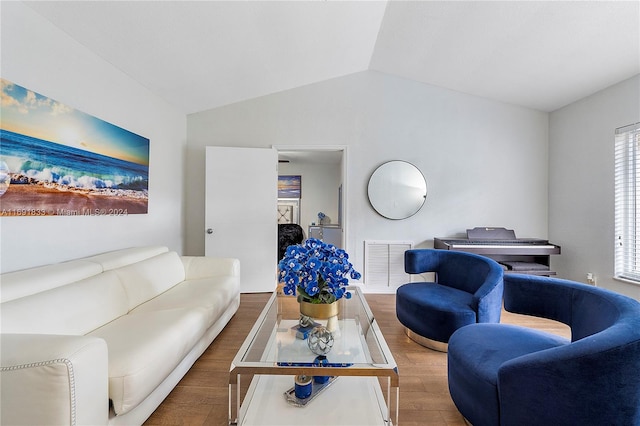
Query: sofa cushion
(119,258)
(148,278)
(35,280)
(144,348)
(473,365)
(76,308)
(448,309)
(213,296)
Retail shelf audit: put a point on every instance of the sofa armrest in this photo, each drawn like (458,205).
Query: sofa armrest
(53,379)
(197,267)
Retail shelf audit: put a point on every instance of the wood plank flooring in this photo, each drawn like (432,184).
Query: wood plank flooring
(201,397)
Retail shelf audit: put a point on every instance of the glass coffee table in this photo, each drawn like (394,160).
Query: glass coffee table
(362,382)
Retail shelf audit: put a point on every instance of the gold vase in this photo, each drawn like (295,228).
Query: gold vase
(319,310)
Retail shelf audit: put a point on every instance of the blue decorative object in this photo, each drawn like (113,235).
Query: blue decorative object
(321,379)
(316,390)
(321,218)
(302,330)
(320,340)
(468,289)
(303,386)
(317,272)
(321,361)
(312,364)
(502,374)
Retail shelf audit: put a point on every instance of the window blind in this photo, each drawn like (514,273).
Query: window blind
(627,202)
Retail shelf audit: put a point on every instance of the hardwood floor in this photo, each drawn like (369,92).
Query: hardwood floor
(201,398)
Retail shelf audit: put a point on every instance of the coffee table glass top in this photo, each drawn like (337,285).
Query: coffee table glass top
(273,349)
(358,343)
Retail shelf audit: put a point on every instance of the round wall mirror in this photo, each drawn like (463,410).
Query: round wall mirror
(397,190)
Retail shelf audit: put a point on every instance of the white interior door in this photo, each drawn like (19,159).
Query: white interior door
(240,212)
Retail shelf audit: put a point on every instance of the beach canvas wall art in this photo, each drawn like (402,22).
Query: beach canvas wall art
(58,161)
(289,186)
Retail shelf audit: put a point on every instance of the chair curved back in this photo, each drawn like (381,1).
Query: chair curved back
(595,379)
(585,309)
(468,272)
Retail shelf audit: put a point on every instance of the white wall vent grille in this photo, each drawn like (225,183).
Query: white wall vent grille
(384,263)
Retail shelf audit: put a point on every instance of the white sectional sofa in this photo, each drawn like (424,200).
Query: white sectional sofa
(104,339)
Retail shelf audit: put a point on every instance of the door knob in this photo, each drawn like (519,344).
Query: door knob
(209,231)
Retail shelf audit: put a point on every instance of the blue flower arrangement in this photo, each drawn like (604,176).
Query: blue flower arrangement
(316,271)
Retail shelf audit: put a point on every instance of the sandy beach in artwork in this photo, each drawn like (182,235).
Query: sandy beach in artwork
(41,200)
(74,165)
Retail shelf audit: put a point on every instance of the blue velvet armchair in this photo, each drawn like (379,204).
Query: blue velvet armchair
(467,289)
(502,374)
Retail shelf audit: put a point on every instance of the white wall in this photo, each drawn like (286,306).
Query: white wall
(320,184)
(40,57)
(485,162)
(581,190)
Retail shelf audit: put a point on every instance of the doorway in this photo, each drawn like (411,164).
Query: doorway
(321,207)
(241,202)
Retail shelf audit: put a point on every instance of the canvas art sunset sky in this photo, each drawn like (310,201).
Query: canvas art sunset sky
(289,186)
(56,160)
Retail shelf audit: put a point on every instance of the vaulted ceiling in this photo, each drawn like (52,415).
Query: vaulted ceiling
(199,55)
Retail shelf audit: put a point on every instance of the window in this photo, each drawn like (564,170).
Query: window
(627,202)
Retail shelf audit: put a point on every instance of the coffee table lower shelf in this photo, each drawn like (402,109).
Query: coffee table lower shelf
(349,401)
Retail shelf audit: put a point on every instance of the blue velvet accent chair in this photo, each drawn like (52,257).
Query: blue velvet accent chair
(501,374)
(467,290)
